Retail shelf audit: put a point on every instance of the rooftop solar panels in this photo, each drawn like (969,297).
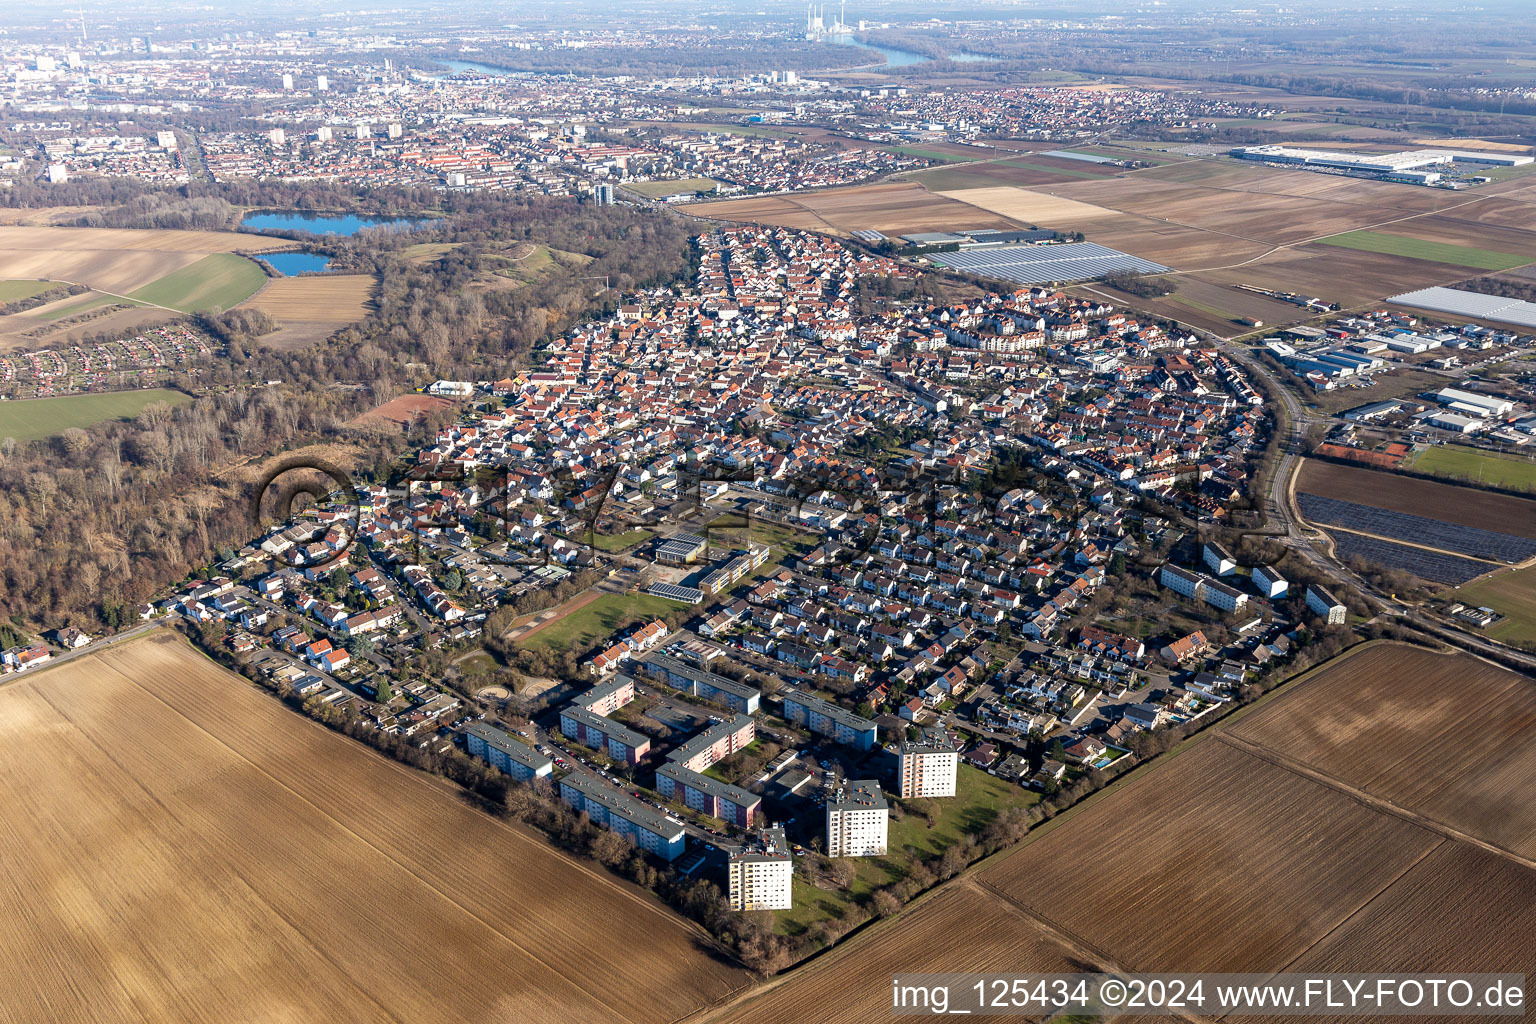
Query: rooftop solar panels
(1476,304)
(1038,264)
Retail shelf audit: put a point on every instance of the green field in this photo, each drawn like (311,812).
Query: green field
(584,627)
(1512,595)
(1419,249)
(220,281)
(657,189)
(10,291)
(34,418)
(87,302)
(620,541)
(1472,466)
(928,154)
(1064,172)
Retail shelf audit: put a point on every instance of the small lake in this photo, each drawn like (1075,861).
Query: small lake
(893,57)
(322,223)
(292,264)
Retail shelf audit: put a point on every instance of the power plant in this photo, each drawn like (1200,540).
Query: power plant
(818,31)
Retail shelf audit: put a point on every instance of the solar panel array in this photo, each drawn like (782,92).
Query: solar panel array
(1426,565)
(1465,303)
(1465,540)
(1038,264)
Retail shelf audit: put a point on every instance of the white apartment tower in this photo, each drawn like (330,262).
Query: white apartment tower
(927,767)
(762,873)
(857,820)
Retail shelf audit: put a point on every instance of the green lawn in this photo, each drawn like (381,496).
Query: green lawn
(657,189)
(620,541)
(1420,249)
(86,303)
(10,291)
(584,627)
(1455,462)
(222,280)
(978,799)
(34,418)
(928,154)
(1512,595)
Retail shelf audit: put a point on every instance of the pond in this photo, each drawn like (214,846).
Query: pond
(893,57)
(322,223)
(292,264)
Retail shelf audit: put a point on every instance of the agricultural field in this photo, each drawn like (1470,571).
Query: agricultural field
(1241,864)
(1474,466)
(582,628)
(242,863)
(31,419)
(893,209)
(1466,506)
(405,410)
(1439,736)
(1423,249)
(311,309)
(115,260)
(960,928)
(10,291)
(1512,594)
(658,189)
(218,281)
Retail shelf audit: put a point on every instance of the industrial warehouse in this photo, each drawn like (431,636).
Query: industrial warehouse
(1412,166)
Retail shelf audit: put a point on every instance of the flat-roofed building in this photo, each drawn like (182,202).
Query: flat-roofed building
(858,819)
(761,873)
(1228,599)
(648,829)
(683,549)
(716,743)
(617,741)
(702,683)
(506,753)
(1218,559)
(927,767)
(706,795)
(606,698)
(828,719)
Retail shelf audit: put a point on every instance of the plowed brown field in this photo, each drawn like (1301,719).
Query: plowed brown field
(181,848)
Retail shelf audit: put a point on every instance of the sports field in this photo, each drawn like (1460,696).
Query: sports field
(31,419)
(585,626)
(1421,249)
(1469,465)
(219,281)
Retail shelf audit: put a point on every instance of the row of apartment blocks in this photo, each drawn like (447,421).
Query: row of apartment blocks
(828,719)
(503,751)
(584,721)
(682,776)
(650,830)
(704,685)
